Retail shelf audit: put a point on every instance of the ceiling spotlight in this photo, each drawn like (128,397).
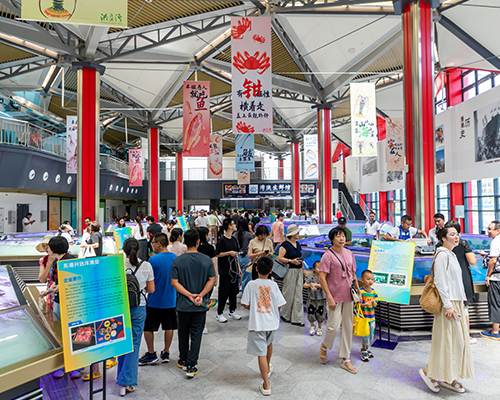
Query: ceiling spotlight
(352,50)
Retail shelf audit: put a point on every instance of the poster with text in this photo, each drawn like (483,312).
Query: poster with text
(196,119)
(251,75)
(395,149)
(71,144)
(120,235)
(90,12)
(243,178)
(95,313)
(135,167)
(245,157)
(215,159)
(363,120)
(439,149)
(392,267)
(311,156)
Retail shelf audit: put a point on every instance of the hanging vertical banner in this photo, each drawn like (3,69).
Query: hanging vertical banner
(245,160)
(215,158)
(439,150)
(71,144)
(196,119)
(311,156)
(395,149)
(243,178)
(363,120)
(135,167)
(251,75)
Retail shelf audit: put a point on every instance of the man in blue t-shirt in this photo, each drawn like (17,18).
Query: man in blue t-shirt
(161,304)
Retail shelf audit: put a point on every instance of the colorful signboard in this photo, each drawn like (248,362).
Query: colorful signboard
(95,313)
(181,221)
(214,160)
(121,234)
(395,149)
(71,144)
(135,167)
(245,156)
(251,75)
(90,12)
(392,267)
(311,156)
(196,119)
(268,189)
(363,120)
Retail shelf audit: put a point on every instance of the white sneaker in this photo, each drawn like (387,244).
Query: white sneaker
(472,340)
(234,315)
(221,318)
(205,330)
(312,331)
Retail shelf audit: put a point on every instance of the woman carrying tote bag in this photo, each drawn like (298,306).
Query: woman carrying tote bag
(450,357)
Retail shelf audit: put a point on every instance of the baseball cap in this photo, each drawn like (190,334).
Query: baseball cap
(342,220)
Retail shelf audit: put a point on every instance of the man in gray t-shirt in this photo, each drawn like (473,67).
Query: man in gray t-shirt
(193,276)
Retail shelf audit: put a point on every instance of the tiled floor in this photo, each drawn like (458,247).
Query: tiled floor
(226,371)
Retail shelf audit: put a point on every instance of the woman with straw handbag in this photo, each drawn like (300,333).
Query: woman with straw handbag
(450,358)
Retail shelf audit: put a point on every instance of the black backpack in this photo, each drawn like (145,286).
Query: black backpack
(133,288)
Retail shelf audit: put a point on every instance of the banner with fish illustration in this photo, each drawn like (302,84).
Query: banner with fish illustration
(245,157)
(71,144)
(135,167)
(311,156)
(215,158)
(363,120)
(395,149)
(251,75)
(196,119)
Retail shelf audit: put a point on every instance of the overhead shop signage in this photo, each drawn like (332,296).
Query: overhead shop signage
(363,119)
(135,167)
(268,189)
(196,119)
(215,159)
(311,156)
(71,144)
(245,156)
(251,75)
(395,149)
(90,12)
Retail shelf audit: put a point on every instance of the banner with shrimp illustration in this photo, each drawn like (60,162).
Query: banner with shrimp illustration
(251,75)
(215,159)
(395,150)
(311,156)
(196,119)
(71,144)
(135,167)
(363,120)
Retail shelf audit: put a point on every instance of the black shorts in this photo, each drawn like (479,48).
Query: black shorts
(167,317)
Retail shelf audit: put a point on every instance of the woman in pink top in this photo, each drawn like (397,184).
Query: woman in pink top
(337,270)
(278,230)
(177,247)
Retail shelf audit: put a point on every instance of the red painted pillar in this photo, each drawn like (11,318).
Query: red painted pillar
(179,182)
(325,164)
(281,169)
(419,112)
(88,104)
(294,148)
(383,206)
(381,128)
(154,171)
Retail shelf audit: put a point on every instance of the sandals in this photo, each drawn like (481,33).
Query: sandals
(126,389)
(111,363)
(433,386)
(319,332)
(455,386)
(351,370)
(323,353)
(87,377)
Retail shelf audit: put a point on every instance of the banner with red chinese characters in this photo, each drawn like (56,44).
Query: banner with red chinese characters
(135,167)
(215,158)
(395,150)
(251,75)
(196,119)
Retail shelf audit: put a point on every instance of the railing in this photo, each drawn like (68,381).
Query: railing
(364,207)
(345,208)
(229,174)
(113,164)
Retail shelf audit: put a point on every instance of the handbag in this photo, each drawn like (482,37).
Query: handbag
(253,262)
(354,291)
(360,325)
(430,300)
(89,252)
(279,269)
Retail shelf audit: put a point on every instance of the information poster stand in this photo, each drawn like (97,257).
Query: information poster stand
(384,344)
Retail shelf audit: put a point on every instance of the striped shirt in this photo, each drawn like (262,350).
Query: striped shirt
(368,312)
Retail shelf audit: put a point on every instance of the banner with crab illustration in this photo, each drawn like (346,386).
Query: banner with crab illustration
(363,120)
(215,158)
(135,167)
(196,119)
(251,75)
(245,157)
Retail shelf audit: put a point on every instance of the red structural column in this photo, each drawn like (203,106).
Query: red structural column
(383,206)
(179,182)
(325,164)
(154,171)
(88,103)
(294,148)
(419,111)
(281,169)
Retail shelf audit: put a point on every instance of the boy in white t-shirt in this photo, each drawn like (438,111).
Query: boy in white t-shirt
(264,300)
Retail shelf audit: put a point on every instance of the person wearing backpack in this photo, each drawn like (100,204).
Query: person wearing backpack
(140,280)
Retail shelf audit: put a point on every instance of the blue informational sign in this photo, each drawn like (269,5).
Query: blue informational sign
(121,234)
(245,157)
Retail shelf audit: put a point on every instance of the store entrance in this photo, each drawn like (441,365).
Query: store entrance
(22,210)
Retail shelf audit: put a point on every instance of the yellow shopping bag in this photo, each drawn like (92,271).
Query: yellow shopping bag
(360,326)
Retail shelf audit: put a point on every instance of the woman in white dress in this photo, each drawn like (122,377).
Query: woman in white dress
(139,233)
